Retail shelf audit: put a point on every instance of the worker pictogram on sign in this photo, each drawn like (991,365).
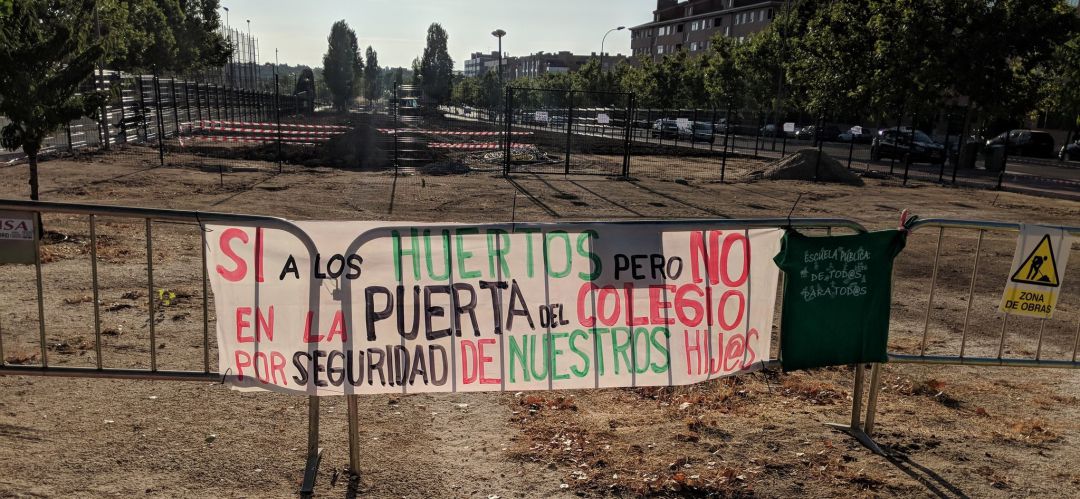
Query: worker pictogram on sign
(1040,267)
(1036,272)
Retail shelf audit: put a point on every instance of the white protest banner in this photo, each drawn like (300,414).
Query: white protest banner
(789,127)
(1036,272)
(411,308)
(603,119)
(541,116)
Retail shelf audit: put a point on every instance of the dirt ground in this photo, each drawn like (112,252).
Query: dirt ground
(953,431)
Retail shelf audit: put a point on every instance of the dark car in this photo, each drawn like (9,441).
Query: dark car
(702,132)
(1032,143)
(665,129)
(827,133)
(893,143)
(858,134)
(1070,152)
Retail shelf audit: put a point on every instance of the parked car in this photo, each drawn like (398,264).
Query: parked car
(804,133)
(700,131)
(827,133)
(858,134)
(665,129)
(893,143)
(773,130)
(1031,143)
(1070,152)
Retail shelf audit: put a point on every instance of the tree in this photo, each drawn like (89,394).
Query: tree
(372,76)
(44,57)
(342,67)
(436,68)
(171,35)
(831,66)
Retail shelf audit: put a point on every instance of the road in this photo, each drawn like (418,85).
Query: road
(1031,175)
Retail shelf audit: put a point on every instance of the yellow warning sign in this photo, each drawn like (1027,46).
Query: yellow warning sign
(1039,267)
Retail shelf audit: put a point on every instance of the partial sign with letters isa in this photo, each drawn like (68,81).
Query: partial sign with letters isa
(17,237)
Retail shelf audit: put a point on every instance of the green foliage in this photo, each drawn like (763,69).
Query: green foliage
(342,66)
(372,76)
(435,68)
(173,35)
(44,57)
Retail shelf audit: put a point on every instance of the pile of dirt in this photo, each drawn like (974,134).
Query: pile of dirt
(804,165)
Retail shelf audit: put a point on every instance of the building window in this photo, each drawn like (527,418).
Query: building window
(718,21)
(659,49)
(693,46)
(727,30)
(770,14)
(679,29)
(694,26)
(751,16)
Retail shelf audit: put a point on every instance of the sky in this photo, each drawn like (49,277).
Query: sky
(397,29)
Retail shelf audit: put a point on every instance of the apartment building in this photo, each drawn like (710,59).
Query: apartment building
(690,24)
(533,65)
(479,63)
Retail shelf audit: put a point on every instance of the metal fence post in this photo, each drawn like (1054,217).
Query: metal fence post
(1004,161)
(509,111)
(277,109)
(911,147)
(160,124)
(629,123)
(141,111)
(896,143)
(727,133)
(354,435)
(757,135)
(397,99)
(103,121)
(945,155)
(314,453)
(817,138)
(175,109)
(693,136)
(569,127)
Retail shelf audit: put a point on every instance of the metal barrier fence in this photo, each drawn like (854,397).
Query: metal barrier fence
(567,132)
(923,344)
(149,217)
(958,346)
(156,116)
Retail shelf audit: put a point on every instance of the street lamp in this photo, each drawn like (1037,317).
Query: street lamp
(620,28)
(228,35)
(499,34)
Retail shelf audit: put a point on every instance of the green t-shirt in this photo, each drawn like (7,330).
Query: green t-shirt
(837,296)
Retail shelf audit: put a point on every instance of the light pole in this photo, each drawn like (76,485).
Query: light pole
(620,28)
(228,35)
(251,56)
(499,34)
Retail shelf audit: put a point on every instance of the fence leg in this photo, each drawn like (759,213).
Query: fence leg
(314,452)
(160,123)
(629,122)
(855,427)
(569,127)
(354,436)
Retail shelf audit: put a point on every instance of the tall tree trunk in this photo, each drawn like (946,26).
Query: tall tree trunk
(32,155)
